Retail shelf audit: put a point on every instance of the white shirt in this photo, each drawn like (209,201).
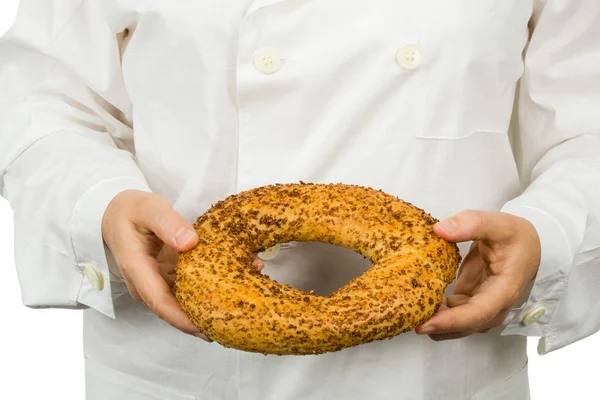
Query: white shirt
(201,99)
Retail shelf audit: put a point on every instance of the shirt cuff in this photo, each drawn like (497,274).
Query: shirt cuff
(91,254)
(534,313)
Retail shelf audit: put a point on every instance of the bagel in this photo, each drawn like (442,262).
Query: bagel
(233,304)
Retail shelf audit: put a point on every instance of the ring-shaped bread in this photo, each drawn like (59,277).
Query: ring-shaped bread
(232,303)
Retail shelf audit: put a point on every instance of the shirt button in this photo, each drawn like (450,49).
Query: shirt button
(409,57)
(532,316)
(94,277)
(270,253)
(267,61)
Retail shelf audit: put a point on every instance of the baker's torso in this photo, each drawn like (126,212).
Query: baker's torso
(414,98)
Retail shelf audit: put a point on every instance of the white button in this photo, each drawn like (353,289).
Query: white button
(267,61)
(94,277)
(270,253)
(409,57)
(532,316)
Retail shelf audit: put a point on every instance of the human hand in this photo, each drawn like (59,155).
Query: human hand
(503,260)
(145,235)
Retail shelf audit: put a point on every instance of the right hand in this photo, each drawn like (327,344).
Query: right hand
(145,235)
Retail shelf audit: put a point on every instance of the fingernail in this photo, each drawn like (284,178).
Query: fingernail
(259,264)
(184,235)
(448,225)
(426,330)
(201,336)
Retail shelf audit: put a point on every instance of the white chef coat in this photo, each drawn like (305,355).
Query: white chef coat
(196,100)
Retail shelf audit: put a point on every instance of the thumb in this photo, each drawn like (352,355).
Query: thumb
(157,216)
(475,225)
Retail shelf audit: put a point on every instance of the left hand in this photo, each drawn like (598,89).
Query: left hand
(503,260)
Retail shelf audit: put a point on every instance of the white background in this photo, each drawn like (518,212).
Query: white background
(41,350)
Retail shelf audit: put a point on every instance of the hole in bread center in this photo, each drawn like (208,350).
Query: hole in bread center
(321,267)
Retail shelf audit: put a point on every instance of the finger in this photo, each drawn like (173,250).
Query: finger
(156,294)
(476,225)
(473,315)
(168,259)
(145,279)
(473,253)
(156,215)
(126,252)
(447,302)
(169,278)
(495,322)
(464,260)
(455,300)
(458,300)
(258,263)
(131,289)
(449,336)
(444,304)
(472,273)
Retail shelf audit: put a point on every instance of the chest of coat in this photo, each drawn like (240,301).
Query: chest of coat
(457,49)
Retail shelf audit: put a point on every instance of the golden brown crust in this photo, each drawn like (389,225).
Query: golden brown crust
(233,304)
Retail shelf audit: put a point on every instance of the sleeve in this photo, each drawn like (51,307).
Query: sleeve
(65,149)
(558,148)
